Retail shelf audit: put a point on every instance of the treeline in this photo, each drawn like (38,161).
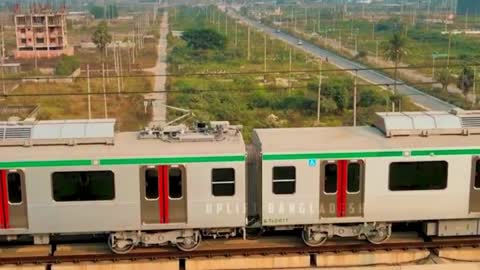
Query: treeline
(110,11)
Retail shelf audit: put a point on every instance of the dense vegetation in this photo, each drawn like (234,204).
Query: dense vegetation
(254,99)
(203,39)
(66,65)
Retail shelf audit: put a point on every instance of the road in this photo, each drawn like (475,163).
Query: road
(418,97)
(159,100)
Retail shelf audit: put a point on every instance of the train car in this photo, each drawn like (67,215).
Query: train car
(357,181)
(78,177)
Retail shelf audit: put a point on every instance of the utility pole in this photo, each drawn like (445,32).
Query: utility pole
(236,33)
(88,90)
(248,43)
(104,91)
(292,16)
(340,39)
(117,68)
(318,19)
(265,52)
(356,43)
(351,28)
(121,68)
(474,85)
(373,29)
(3,62)
(295,22)
(319,91)
(290,71)
(226,23)
(449,47)
(306,19)
(355,99)
(433,66)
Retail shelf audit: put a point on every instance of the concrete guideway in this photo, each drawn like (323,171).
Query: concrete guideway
(159,100)
(420,98)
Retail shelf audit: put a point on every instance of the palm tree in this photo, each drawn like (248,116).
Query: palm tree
(465,81)
(395,50)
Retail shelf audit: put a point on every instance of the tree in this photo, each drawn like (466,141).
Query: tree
(444,77)
(101,37)
(338,91)
(395,50)
(370,97)
(96,11)
(361,55)
(204,39)
(66,65)
(465,81)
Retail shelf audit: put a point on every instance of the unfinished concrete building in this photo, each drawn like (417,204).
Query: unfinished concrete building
(41,33)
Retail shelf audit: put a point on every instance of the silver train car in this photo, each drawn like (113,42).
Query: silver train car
(77,177)
(174,186)
(357,181)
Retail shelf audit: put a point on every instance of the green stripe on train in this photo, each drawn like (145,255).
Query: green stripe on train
(346,155)
(446,152)
(45,163)
(171,160)
(120,161)
(378,154)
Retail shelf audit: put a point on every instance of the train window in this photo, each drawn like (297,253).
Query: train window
(353,173)
(284,180)
(83,186)
(151,184)
(330,178)
(175,183)
(14,187)
(223,182)
(477,174)
(423,175)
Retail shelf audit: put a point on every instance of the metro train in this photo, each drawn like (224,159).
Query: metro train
(175,186)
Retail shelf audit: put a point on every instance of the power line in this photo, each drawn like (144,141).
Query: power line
(196,91)
(253,72)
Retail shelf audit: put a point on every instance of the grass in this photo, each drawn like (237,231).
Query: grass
(127,109)
(246,96)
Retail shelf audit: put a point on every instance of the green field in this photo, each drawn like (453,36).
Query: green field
(243,94)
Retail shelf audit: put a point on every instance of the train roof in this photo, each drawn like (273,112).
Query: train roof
(337,139)
(128,144)
(392,131)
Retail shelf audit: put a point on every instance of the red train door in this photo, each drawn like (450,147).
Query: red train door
(13,206)
(341,188)
(163,194)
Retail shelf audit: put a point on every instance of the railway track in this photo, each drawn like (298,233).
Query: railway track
(207,253)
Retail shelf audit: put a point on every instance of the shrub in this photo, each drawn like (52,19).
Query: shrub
(203,39)
(66,65)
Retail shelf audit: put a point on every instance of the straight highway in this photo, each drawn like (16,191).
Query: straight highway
(420,98)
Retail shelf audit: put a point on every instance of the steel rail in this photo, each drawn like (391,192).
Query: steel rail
(281,250)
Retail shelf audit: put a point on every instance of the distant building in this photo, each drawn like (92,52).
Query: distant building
(79,16)
(468,6)
(41,33)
